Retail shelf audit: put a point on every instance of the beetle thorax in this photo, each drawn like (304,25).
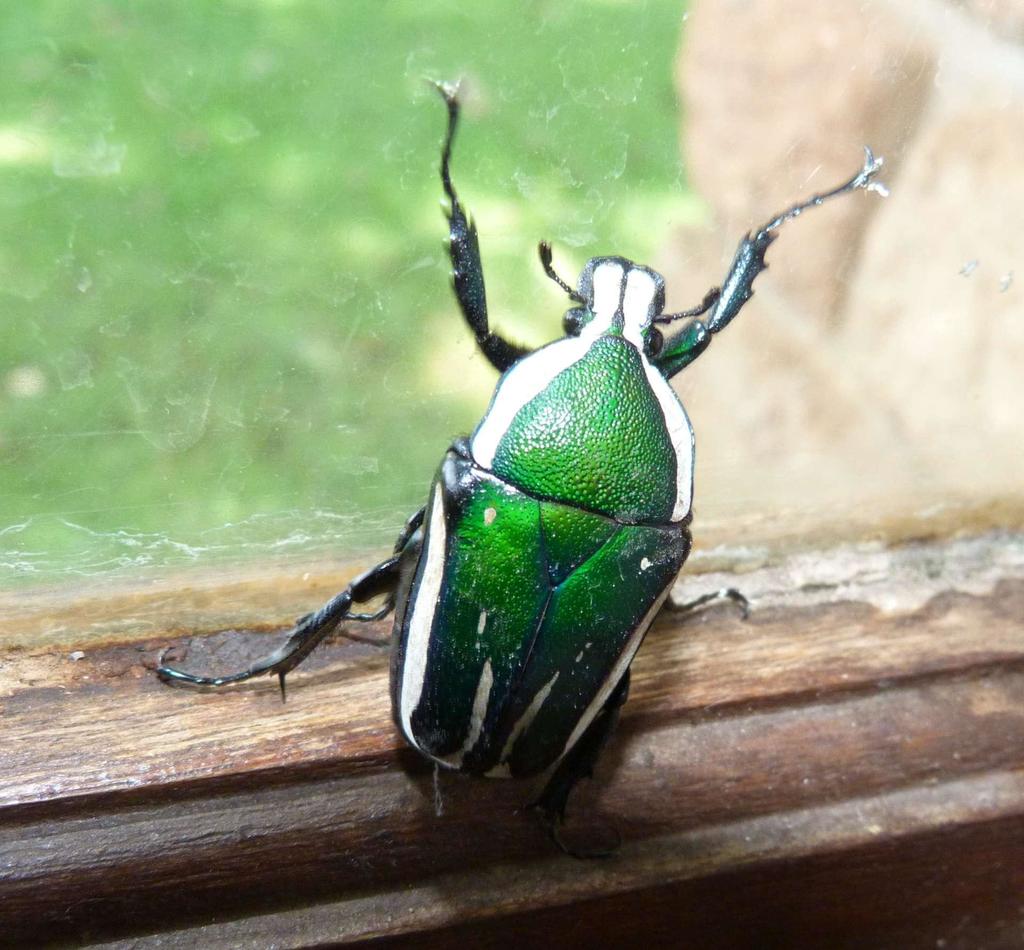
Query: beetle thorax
(588,420)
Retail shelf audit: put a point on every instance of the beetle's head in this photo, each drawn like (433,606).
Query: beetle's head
(618,297)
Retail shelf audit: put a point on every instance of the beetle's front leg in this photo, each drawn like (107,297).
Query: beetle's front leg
(579,764)
(749,259)
(464,250)
(685,346)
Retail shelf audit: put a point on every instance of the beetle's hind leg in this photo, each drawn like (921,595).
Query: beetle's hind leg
(410,527)
(464,251)
(579,764)
(309,631)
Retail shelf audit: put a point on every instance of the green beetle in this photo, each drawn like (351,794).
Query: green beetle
(552,536)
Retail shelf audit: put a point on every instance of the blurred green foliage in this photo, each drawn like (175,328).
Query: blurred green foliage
(226,326)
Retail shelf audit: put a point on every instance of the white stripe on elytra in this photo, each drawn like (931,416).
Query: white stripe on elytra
(414,664)
(524,723)
(476,717)
(621,665)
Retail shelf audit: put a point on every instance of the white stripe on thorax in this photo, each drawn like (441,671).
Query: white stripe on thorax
(680,434)
(524,381)
(533,374)
(637,312)
(637,306)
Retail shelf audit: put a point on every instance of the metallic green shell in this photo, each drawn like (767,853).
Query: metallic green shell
(596,438)
(504,656)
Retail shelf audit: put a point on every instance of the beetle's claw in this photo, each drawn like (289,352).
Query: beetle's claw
(872,166)
(161,666)
(740,600)
(706,600)
(449,91)
(552,820)
(863,179)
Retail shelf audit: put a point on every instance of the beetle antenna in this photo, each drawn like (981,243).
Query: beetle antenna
(544,250)
(710,299)
(863,179)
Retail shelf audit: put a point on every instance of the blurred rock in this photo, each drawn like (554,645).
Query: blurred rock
(939,344)
(779,98)
(880,367)
(1004,17)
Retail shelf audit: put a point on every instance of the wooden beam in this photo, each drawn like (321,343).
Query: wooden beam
(849,761)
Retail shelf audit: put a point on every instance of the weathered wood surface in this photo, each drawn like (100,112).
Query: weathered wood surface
(845,768)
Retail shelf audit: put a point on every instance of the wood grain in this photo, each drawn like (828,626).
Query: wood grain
(848,762)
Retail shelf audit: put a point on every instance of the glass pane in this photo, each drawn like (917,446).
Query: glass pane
(228,340)
(228,334)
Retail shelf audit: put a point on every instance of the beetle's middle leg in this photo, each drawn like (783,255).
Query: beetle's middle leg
(464,250)
(411,526)
(579,764)
(311,629)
